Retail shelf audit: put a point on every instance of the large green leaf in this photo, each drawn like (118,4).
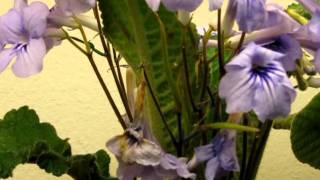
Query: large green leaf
(23,139)
(155,41)
(305,134)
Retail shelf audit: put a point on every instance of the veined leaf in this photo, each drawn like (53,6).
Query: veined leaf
(137,33)
(305,133)
(23,139)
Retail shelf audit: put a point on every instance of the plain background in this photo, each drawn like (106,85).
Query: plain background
(68,95)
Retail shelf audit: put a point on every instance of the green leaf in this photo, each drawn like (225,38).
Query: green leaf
(155,41)
(305,133)
(23,138)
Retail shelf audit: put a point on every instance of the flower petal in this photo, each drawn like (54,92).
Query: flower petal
(212,168)
(6,56)
(309,35)
(273,99)
(204,153)
(11,27)
(228,157)
(215,4)
(35,19)
(72,7)
(291,49)
(237,88)
(128,172)
(251,14)
(153,4)
(146,153)
(187,5)
(30,58)
(174,167)
(20,4)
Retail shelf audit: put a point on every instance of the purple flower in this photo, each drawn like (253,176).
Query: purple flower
(175,5)
(290,48)
(23,29)
(220,154)
(65,12)
(72,7)
(255,80)
(277,24)
(311,5)
(309,37)
(137,150)
(140,157)
(250,14)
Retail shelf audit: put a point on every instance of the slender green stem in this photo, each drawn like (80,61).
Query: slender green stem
(257,151)
(227,125)
(104,87)
(205,69)
(302,20)
(154,98)
(93,48)
(111,65)
(181,136)
(244,149)
(186,73)
(211,95)
(100,79)
(220,45)
(237,50)
(74,43)
(117,60)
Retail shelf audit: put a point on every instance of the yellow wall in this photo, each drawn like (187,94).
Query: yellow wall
(68,95)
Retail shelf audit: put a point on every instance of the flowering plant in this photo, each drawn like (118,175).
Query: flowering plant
(199,102)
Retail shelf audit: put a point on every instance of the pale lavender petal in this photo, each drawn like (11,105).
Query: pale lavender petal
(150,173)
(262,85)
(11,27)
(277,16)
(291,49)
(311,5)
(128,172)
(57,18)
(215,4)
(187,5)
(35,19)
(171,166)
(277,24)
(228,157)
(309,35)
(204,153)
(274,99)
(20,4)
(153,4)
(71,7)
(251,14)
(317,61)
(131,147)
(212,168)
(145,153)
(114,145)
(30,58)
(6,56)
(237,89)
